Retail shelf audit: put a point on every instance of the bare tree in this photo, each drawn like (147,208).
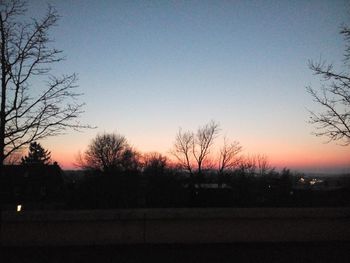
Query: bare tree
(257,164)
(248,165)
(154,163)
(334,97)
(192,150)
(202,143)
(263,164)
(183,150)
(106,152)
(229,156)
(27,112)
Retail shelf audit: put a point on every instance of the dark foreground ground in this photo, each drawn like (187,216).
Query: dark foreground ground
(239,252)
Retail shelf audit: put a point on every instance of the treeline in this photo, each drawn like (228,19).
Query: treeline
(199,174)
(115,175)
(193,152)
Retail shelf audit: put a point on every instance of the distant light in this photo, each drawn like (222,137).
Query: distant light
(313,181)
(19,208)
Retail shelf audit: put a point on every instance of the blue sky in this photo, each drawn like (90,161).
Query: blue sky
(147,68)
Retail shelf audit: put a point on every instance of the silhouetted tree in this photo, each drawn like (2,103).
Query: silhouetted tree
(183,150)
(228,158)
(109,153)
(130,160)
(255,165)
(37,155)
(248,165)
(25,53)
(263,164)
(154,163)
(334,98)
(192,149)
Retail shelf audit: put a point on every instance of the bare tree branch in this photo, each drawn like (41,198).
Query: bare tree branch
(30,113)
(334,98)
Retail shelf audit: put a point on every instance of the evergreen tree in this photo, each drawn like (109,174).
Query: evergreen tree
(37,155)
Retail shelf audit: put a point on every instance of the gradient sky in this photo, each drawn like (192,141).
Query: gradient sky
(147,68)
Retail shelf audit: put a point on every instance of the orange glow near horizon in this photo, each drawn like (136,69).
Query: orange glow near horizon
(279,156)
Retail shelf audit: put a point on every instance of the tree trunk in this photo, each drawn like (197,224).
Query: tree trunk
(3,96)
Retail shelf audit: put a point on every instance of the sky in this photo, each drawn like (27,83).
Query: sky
(147,68)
